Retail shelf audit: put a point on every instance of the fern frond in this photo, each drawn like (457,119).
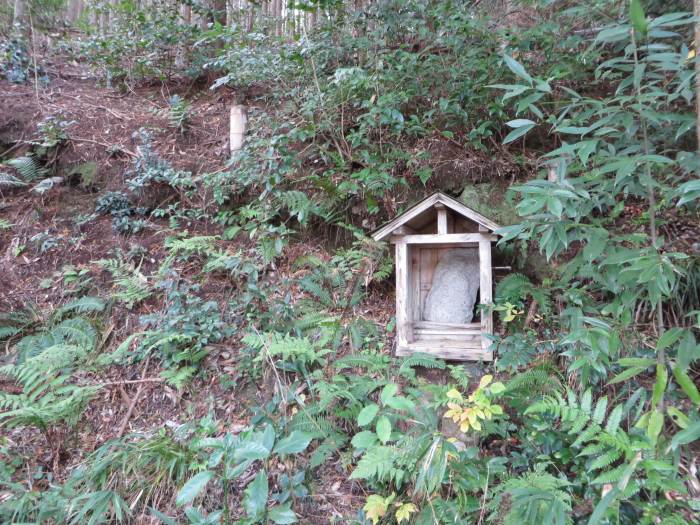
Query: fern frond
(540,379)
(43,369)
(10,181)
(327,447)
(372,362)
(513,288)
(377,463)
(420,360)
(28,167)
(83,305)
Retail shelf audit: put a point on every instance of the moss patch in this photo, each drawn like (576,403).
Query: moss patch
(490,200)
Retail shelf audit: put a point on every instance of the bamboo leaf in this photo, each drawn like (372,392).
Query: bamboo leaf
(638,18)
(517,68)
(517,133)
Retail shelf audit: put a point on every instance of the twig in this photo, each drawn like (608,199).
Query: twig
(483,499)
(121,148)
(134,400)
(133,381)
(129,411)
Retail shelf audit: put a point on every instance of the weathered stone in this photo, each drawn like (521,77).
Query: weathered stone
(455,284)
(239,121)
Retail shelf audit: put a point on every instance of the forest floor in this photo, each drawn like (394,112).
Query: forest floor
(52,237)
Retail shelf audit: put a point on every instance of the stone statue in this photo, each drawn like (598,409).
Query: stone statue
(455,284)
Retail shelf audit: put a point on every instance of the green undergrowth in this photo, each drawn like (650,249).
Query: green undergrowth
(588,414)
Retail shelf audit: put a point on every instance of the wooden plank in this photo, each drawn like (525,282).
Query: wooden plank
(474,344)
(448,353)
(448,238)
(485,291)
(428,261)
(447,340)
(403,322)
(415,286)
(431,324)
(406,216)
(428,203)
(446,331)
(441,219)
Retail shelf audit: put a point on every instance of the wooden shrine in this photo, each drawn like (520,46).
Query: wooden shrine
(422,235)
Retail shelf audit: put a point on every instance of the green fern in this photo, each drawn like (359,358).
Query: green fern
(189,246)
(300,205)
(10,181)
(372,362)
(535,497)
(19,321)
(514,287)
(131,285)
(179,377)
(29,168)
(84,305)
(179,113)
(422,360)
(596,432)
(543,378)
(43,366)
(327,448)
(72,332)
(377,463)
(409,364)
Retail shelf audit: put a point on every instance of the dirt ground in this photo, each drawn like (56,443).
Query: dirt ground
(48,237)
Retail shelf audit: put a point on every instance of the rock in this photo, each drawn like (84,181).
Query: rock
(461,440)
(455,284)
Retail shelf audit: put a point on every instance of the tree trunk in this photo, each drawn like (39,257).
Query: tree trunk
(186,13)
(251,18)
(75,9)
(278,17)
(219,12)
(104,19)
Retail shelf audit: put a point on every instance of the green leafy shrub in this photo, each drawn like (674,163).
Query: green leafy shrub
(183,332)
(144,44)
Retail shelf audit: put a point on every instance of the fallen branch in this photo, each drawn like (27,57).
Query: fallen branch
(129,411)
(134,400)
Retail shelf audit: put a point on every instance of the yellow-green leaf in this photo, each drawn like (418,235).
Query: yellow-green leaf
(686,383)
(453,393)
(660,384)
(403,513)
(656,424)
(376,507)
(485,381)
(678,417)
